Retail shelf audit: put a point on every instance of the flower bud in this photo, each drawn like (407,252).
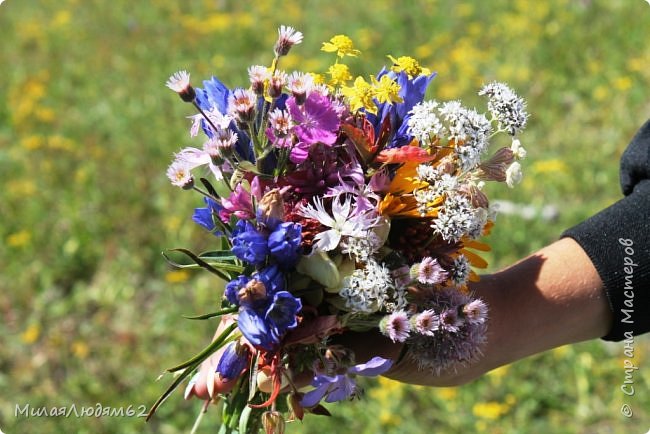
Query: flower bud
(272,205)
(273,422)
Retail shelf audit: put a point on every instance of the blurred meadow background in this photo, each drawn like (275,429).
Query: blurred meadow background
(90,312)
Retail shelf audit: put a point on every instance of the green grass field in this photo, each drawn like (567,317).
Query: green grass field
(89,311)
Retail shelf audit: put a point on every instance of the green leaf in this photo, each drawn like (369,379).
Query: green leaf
(200,262)
(213,314)
(207,351)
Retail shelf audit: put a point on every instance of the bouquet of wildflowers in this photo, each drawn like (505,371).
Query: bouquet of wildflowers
(336,204)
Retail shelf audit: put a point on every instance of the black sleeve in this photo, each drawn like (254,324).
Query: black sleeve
(617,240)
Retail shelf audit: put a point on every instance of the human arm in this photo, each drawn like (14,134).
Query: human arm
(551,298)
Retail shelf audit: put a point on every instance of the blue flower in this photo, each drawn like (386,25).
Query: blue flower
(248,244)
(204,216)
(284,243)
(342,386)
(233,361)
(215,95)
(256,330)
(412,92)
(281,314)
(273,279)
(233,287)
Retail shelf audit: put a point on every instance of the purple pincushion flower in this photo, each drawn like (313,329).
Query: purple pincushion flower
(248,244)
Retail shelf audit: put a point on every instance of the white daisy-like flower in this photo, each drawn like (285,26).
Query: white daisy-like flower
(300,85)
(345,220)
(426,322)
(429,272)
(180,174)
(396,326)
(475,311)
(258,75)
(179,81)
(280,121)
(287,38)
(241,104)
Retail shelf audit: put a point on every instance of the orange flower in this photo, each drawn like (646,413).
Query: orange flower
(406,154)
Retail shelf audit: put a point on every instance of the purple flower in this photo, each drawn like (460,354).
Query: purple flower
(238,203)
(396,326)
(233,361)
(248,244)
(339,387)
(316,121)
(204,216)
(284,243)
(281,315)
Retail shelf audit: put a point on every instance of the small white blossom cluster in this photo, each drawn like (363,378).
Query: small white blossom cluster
(424,123)
(506,107)
(457,217)
(368,289)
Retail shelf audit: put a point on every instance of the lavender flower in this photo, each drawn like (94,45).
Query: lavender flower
(396,326)
(342,386)
(316,121)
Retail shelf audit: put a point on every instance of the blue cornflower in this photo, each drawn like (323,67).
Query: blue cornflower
(248,244)
(204,216)
(284,243)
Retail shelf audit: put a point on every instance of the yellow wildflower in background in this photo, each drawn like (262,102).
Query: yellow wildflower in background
(342,45)
(490,410)
(177,276)
(19,239)
(31,334)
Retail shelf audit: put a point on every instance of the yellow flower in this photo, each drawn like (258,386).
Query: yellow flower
(342,45)
(360,95)
(409,65)
(19,239)
(490,410)
(177,276)
(340,74)
(31,334)
(386,90)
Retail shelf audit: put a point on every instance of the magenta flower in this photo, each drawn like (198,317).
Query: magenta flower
(238,203)
(316,121)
